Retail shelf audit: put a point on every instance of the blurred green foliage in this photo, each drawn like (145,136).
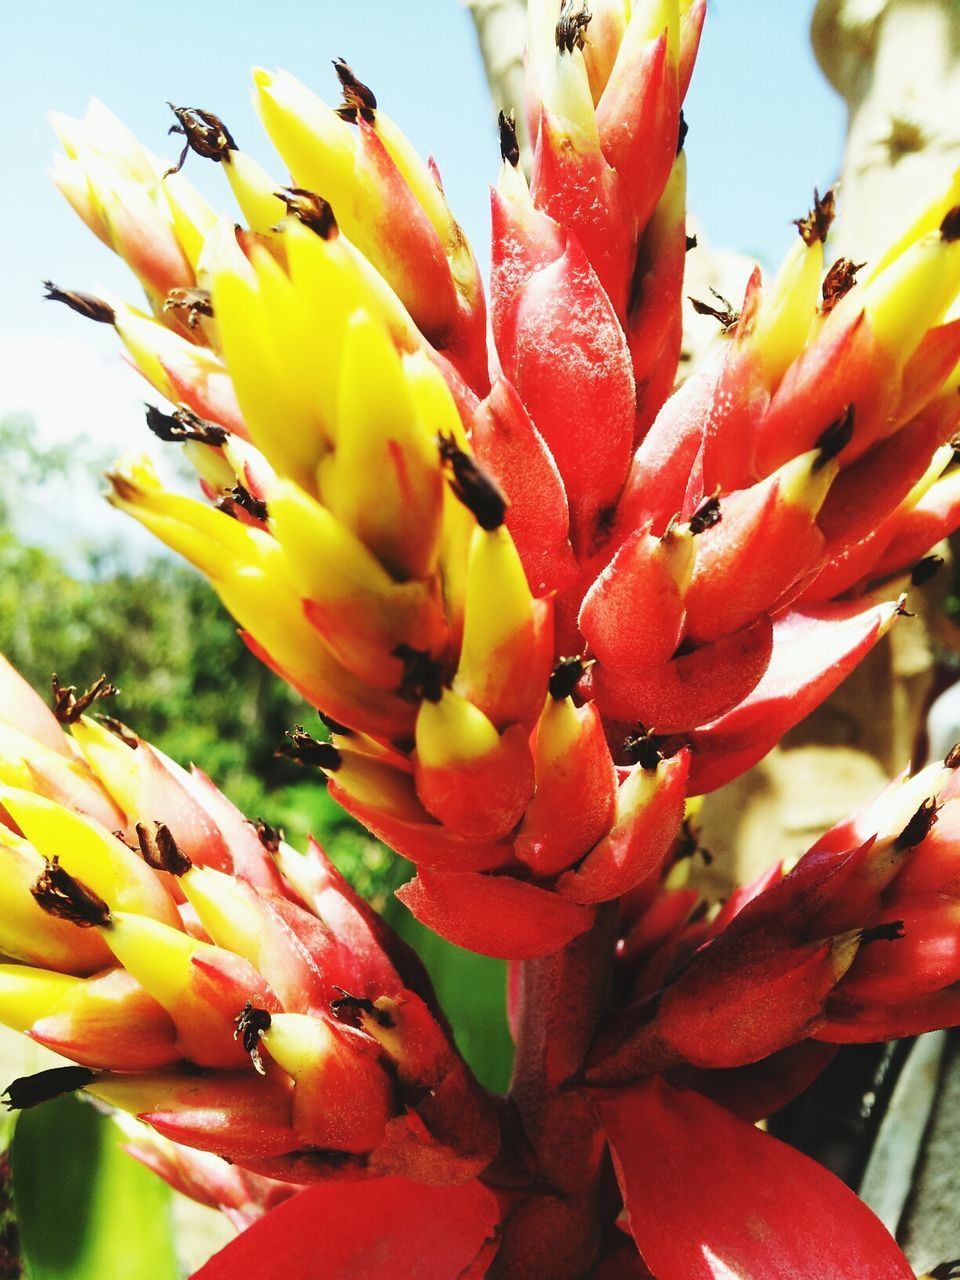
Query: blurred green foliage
(87,1210)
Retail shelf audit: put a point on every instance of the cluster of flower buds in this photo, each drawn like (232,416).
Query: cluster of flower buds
(537,600)
(203,975)
(859,942)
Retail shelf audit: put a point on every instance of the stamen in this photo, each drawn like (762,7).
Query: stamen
(727,314)
(307,750)
(475,487)
(160,850)
(925,569)
(359,99)
(195,302)
(509,146)
(85,304)
(348,1007)
(63,896)
(572,26)
(251,1023)
(310,209)
(44,1086)
(888,932)
(182,425)
(68,707)
(918,826)
(816,224)
(205,133)
(566,676)
(834,439)
(838,282)
(422,675)
(640,747)
(706,516)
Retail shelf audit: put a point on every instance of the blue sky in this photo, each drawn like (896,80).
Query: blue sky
(764,128)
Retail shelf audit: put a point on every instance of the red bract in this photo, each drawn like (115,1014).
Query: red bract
(709,1197)
(391,1226)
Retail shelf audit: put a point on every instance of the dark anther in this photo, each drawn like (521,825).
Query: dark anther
(334,726)
(475,487)
(195,302)
(307,750)
(268,836)
(918,826)
(68,707)
(120,730)
(310,209)
(60,895)
(834,439)
(358,99)
(950,226)
(251,1023)
(682,130)
(952,758)
(160,850)
(706,515)
(240,496)
(182,425)
(84,304)
(348,1008)
(640,747)
(888,932)
(509,146)
(572,26)
(43,1086)
(816,224)
(692,243)
(566,676)
(946,1270)
(838,282)
(422,675)
(688,844)
(727,315)
(205,133)
(925,569)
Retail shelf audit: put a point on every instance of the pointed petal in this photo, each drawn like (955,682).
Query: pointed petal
(649,812)
(690,689)
(362,1224)
(710,1197)
(494,915)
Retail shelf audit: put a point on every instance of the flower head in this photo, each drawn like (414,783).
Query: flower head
(421,528)
(232,992)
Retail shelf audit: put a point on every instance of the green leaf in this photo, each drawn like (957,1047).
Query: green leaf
(472,991)
(87,1210)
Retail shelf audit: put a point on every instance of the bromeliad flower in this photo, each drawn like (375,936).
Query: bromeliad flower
(231,991)
(489,567)
(540,599)
(858,942)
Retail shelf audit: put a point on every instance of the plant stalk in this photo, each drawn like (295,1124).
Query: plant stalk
(554,1231)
